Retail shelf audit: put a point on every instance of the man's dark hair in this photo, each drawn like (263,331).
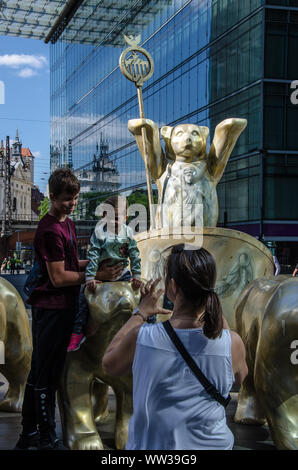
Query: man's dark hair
(194,272)
(63,180)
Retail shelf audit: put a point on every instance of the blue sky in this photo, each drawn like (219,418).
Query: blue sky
(24,70)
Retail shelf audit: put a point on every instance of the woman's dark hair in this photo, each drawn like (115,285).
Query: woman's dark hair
(194,272)
(63,180)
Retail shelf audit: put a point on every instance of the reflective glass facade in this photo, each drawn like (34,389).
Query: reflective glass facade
(214,59)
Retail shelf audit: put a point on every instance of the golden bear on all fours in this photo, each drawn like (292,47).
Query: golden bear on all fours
(83,391)
(16,336)
(266,318)
(186,175)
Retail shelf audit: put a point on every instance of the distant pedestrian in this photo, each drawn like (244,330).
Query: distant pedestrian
(3,265)
(12,265)
(18,265)
(295,270)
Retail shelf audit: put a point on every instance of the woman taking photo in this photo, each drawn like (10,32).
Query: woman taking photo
(172,409)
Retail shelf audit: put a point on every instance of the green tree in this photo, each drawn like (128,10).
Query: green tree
(141,197)
(43,207)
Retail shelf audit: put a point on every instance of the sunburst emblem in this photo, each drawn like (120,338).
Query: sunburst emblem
(136,63)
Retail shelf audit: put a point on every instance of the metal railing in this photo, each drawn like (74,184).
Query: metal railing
(22,218)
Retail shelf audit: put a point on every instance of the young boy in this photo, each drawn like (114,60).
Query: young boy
(114,241)
(54,302)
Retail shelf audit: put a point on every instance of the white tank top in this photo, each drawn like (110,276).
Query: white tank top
(172,410)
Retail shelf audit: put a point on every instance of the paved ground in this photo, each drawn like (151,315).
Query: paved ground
(246,437)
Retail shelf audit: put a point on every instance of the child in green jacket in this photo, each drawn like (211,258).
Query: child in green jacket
(111,240)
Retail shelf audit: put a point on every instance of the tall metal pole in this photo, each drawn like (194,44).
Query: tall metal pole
(7,216)
(146,158)
(137,65)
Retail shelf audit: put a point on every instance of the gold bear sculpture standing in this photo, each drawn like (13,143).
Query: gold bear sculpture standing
(16,336)
(185,175)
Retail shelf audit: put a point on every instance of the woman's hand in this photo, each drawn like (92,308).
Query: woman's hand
(149,302)
(109,273)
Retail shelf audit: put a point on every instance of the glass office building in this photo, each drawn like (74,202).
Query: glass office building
(214,59)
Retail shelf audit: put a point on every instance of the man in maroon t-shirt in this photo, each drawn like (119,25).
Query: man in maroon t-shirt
(54,302)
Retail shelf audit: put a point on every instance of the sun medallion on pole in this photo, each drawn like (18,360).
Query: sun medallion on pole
(136,63)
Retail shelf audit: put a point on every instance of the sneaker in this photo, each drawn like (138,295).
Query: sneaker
(29,442)
(75,342)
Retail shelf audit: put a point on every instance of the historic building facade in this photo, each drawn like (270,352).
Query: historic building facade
(22,182)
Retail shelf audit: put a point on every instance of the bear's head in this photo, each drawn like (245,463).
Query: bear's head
(188,141)
(112,302)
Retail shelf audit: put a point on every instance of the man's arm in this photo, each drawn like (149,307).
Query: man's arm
(83,264)
(61,278)
(51,249)
(225,137)
(109,273)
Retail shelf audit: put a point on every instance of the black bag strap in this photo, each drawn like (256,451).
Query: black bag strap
(193,366)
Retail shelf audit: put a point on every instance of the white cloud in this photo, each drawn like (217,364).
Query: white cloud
(29,64)
(36,153)
(27,73)
(21,60)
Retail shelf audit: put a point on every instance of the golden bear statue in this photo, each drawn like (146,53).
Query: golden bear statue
(266,316)
(186,175)
(16,336)
(83,392)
